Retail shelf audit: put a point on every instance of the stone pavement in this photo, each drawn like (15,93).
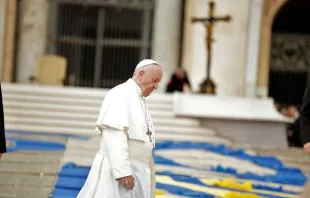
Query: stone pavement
(33,174)
(30,174)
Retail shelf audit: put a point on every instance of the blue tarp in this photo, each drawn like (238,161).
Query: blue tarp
(195,180)
(64,193)
(284,175)
(69,185)
(37,145)
(34,145)
(72,177)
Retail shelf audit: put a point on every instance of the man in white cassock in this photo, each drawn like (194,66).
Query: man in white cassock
(124,166)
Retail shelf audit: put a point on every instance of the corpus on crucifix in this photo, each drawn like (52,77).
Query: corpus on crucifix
(208,86)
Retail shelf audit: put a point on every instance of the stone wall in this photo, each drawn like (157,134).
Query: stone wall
(229,47)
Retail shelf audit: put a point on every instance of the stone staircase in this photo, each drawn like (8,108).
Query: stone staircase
(72,110)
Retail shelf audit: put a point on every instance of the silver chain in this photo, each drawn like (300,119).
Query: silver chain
(145,113)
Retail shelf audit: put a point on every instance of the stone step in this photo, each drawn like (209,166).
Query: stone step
(55,154)
(194,138)
(78,109)
(62,126)
(52,100)
(84,146)
(10,100)
(173,130)
(55,139)
(53,130)
(76,117)
(52,91)
(31,158)
(69,92)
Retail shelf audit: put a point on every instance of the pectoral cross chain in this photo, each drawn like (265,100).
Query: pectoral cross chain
(149,133)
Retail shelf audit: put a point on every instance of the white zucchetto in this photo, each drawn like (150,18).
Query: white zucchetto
(145,62)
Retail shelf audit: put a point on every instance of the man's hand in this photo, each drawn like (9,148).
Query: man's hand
(307,148)
(127,182)
(1,155)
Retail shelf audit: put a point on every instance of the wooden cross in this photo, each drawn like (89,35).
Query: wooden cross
(209,22)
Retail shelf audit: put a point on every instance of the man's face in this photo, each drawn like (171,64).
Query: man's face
(149,79)
(292,111)
(180,74)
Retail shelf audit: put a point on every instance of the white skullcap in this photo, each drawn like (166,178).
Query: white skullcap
(145,62)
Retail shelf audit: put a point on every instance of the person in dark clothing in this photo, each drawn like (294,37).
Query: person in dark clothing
(305,121)
(294,134)
(177,81)
(2,131)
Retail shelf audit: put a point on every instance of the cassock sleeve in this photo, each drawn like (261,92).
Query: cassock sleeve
(305,117)
(117,152)
(2,131)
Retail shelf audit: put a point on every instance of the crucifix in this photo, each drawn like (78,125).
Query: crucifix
(208,86)
(149,133)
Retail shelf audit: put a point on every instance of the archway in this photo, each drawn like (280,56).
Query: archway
(290,44)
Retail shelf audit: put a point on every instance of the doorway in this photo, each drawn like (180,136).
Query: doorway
(289,59)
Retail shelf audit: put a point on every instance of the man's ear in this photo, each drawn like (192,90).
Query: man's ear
(141,73)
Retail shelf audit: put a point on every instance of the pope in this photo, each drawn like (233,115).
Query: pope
(123,166)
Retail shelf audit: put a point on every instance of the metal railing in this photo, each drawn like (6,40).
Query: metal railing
(289,67)
(103,40)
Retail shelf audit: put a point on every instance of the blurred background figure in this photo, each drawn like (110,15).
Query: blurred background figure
(179,82)
(293,132)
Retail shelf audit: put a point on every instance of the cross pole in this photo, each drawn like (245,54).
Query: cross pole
(208,86)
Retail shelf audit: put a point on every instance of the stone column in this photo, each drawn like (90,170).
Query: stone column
(255,17)
(229,46)
(270,10)
(263,71)
(9,40)
(166,37)
(2,33)
(33,36)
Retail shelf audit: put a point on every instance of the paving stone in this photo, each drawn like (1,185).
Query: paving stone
(56,139)
(27,180)
(32,158)
(46,169)
(24,191)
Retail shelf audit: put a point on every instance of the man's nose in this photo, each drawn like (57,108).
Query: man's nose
(156,86)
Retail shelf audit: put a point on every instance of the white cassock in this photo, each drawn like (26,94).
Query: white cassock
(125,148)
